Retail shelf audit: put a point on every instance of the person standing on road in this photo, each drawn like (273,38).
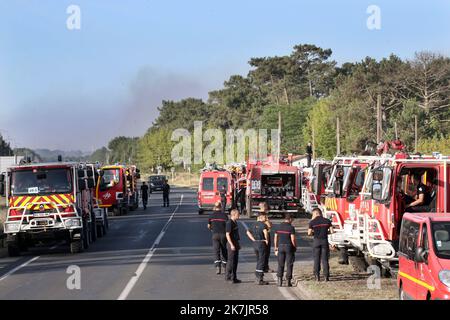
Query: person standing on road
(259,235)
(285,248)
(144,194)
(233,247)
(217,224)
(264,210)
(223,197)
(319,227)
(166,191)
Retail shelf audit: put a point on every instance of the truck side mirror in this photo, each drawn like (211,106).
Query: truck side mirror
(2,189)
(2,178)
(420,255)
(90,173)
(80,173)
(377,191)
(82,184)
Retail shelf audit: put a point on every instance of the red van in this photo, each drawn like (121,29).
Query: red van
(211,182)
(424,257)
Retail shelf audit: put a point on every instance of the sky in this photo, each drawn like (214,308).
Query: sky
(77,89)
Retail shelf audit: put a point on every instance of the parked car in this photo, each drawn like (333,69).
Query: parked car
(156,182)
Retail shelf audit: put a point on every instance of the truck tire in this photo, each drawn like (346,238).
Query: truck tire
(13,250)
(358,263)
(116,212)
(343,256)
(76,246)
(93,229)
(85,235)
(100,230)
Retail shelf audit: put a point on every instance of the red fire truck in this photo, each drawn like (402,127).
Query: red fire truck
(278,183)
(211,183)
(369,231)
(117,188)
(48,201)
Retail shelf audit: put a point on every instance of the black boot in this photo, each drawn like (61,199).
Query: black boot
(327,278)
(218,269)
(289,284)
(280,282)
(317,277)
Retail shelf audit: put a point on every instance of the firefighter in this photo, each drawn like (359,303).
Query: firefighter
(166,191)
(285,248)
(259,235)
(144,194)
(320,227)
(217,224)
(233,247)
(223,197)
(264,210)
(309,153)
(422,198)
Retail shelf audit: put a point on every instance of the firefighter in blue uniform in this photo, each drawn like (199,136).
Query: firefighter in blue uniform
(285,248)
(217,224)
(233,246)
(320,227)
(259,234)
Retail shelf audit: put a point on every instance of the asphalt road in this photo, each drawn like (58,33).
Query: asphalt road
(159,253)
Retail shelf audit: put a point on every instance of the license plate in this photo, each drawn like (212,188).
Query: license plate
(42,223)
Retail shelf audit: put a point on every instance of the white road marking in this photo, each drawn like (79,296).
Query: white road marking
(284,291)
(130,285)
(18,268)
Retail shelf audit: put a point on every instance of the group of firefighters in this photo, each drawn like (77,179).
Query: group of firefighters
(226,243)
(165,193)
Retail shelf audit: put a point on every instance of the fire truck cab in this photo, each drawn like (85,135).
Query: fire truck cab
(45,202)
(424,257)
(210,185)
(117,188)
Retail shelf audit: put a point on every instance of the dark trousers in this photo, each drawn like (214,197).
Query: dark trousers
(266,258)
(321,252)
(261,252)
(166,200)
(286,256)
(232,263)
(219,241)
(144,202)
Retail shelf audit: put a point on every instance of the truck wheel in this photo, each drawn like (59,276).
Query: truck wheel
(106,223)
(401,293)
(13,250)
(116,212)
(100,231)
(358,263)
(93,229)
(343,256)
(76,246)
(85,235)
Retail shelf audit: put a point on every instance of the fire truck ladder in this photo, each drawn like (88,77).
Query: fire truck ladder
(309,200)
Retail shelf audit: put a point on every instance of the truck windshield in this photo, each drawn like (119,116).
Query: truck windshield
(110,178)
(441,239)
(41,181)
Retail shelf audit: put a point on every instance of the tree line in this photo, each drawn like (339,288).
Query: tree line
(311,91)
